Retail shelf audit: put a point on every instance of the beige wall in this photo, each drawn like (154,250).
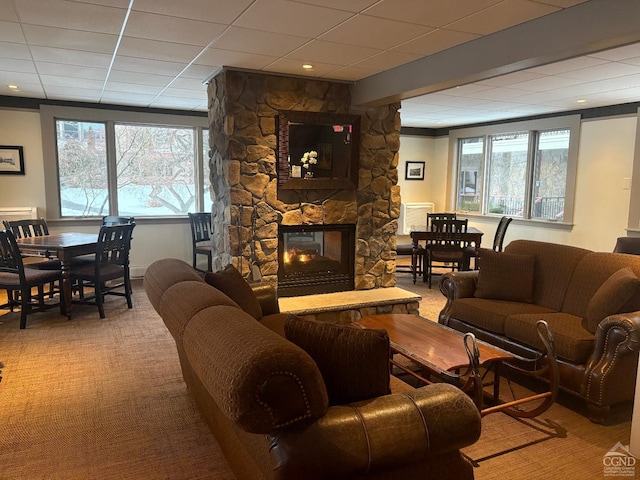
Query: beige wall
(22,128)
(605,165)
(417,149)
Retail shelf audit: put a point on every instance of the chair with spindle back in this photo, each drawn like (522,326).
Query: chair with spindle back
(447,246)
(111,220)
(30,227)
(33,227)
(14,277)
(201,237)
(111,263)
(501,231)
(445,216)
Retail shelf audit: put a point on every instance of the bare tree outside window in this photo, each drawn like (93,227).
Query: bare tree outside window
(155,170)
(82,168)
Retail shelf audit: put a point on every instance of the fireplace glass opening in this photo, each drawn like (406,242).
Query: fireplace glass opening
(315,259)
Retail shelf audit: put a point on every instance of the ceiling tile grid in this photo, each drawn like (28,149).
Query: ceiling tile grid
(159,53)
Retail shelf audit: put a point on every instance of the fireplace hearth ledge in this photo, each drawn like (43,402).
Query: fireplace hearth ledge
(384,300)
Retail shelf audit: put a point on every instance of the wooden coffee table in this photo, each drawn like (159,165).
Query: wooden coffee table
(444,352)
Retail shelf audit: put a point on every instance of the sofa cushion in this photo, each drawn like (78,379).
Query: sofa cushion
(354,362)
(230,282)
(490,314)
(611,297)
(555,266)
(571,341)
(590,274)
(505,276)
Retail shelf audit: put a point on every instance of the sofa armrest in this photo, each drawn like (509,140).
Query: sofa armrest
(268,298)
(454,285)
(380,434)
(614,358)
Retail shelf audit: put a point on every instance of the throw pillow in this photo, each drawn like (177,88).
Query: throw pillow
(230,282)
(505,276)
(611,297)
(353,361)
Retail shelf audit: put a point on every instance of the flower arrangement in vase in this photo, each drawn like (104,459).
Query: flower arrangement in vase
(307,160)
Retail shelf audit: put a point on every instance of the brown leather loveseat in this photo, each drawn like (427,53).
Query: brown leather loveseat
(267,404)
(590,301)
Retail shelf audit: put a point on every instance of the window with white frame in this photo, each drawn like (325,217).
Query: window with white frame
(522,170)
(119,164)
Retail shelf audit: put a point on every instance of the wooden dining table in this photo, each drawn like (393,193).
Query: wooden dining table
(472,237)
(65,246)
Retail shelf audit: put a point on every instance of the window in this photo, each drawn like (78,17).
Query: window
(206,153)
(521,170)
(551,159)
(121,163)
(470,183)
(507,176)
(155,170)
(82,168)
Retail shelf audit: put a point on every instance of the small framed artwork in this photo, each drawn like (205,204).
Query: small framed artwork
(11,160)
(414,171)
(325,156)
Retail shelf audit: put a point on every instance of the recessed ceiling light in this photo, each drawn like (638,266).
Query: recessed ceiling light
(13,87)
(307,66)
(581,101)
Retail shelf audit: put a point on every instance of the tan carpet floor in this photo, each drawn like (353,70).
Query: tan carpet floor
(104,399)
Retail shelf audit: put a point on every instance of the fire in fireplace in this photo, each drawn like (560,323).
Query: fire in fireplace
(315,259)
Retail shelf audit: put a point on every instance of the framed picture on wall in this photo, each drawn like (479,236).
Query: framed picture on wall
(11,160)
(414,171)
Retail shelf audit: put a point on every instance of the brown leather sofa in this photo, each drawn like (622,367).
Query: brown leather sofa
(265,401)
(580,295)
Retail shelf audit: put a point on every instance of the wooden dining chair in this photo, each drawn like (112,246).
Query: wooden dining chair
(15,277)
(447,247)
(498,241)
(111,220)
(417,252)
(30,227)
(34,227)
(445,216)
(201,237)
(501,231)
(630,245)
(111,264)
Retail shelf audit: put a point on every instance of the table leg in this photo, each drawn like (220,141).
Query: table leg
(65,261)
(496,382)
(414,261)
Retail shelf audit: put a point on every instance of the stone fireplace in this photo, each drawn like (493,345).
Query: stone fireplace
(315,259)
(247,205)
